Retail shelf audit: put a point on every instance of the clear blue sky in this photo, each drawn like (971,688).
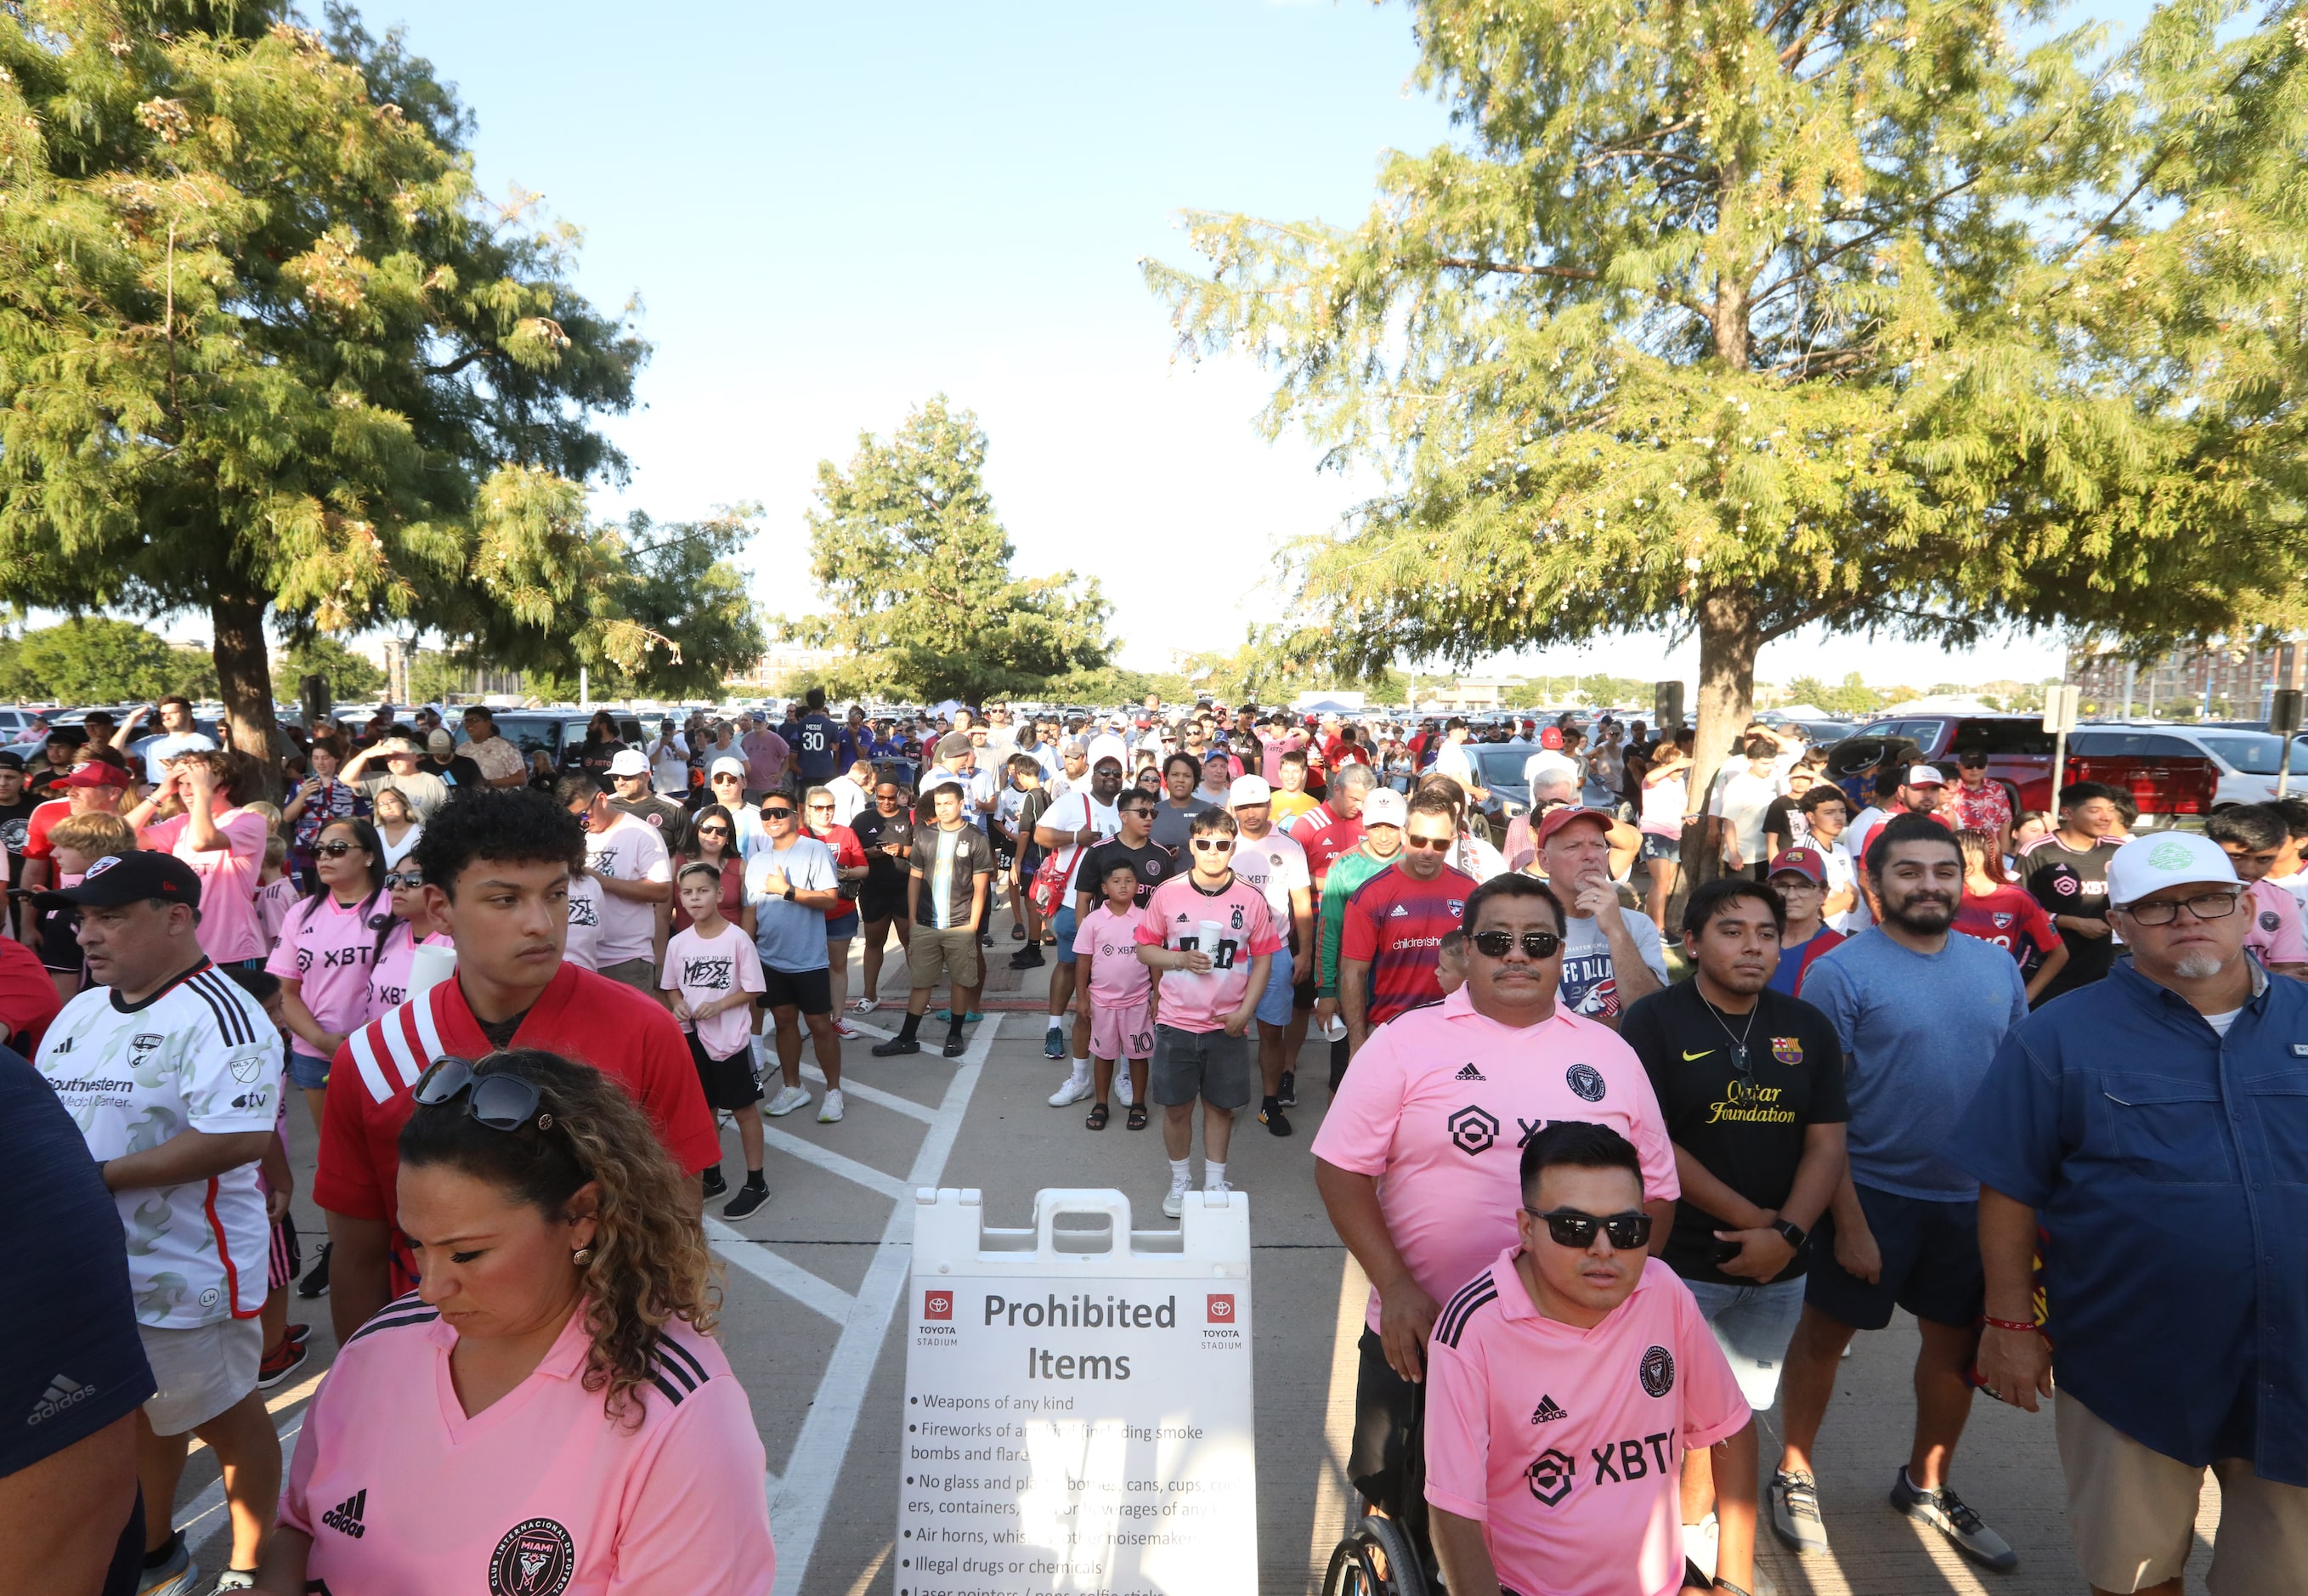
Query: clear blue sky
(830,212)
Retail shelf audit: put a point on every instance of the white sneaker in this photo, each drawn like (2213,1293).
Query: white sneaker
(1220,1189)
(1174,1203)
(829,1112)
(1122,1087)
(787,1100)
(864,1005)
(1075,1089)
(846,1031)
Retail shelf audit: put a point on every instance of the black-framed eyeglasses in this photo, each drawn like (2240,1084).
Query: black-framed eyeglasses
(1575,1228)
(2205,906)
(336,851)
(501,1101)
(403,878)
(1494,945)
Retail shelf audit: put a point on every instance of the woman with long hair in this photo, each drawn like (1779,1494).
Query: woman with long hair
(318,799)
(409,926)
(396,824)
(549,1411)
(712,839)
(323,956)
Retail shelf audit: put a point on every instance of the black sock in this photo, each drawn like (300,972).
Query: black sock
(953,1030)
(154,1559)
(911,1028)
(1267,1105)
(753,1178)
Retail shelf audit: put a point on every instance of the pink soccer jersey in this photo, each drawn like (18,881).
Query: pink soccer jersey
(1566,1444)
(326,946)
(2275,935)
(229,930)
(1118,979)
(706,972)
(388,983)
(1438,1106)
(541,1491)
(1175,914)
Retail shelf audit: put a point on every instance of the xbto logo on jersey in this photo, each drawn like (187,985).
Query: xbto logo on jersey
(1553,1473)
(537,1558)
(1473,1130)
(1586,1081)
(1656,1371)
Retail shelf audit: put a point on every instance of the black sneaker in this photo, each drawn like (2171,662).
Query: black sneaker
(317,1279)
(1275,1121)
(895,1046)
(748,1198)
(1287,1094)
(714,1184)
(1026,958)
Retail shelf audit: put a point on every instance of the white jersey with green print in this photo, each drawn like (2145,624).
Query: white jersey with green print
(200,1055)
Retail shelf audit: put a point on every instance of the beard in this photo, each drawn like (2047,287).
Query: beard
(1920,914)
(2199,967)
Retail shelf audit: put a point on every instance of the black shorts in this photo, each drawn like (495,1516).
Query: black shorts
(873,908)
(1302,996)
(809,990)
(1931,1264)
(1386,1463)
(729,1085)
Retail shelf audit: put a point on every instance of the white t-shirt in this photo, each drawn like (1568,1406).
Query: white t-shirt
(200,1055)
(631,850)
(583,948)
(1546,761)
(1864,825)
(1276,865)
(1456,763)
(1741,801)
(1840,874)
(1071,814)
(669,764)
(394,852)
(167,746)
(850,801)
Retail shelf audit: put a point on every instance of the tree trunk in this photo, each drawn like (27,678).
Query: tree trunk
(1727,645)
(244,681)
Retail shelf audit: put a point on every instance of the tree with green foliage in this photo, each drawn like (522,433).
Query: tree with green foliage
(98,660)
(914,568)
(349,675)
(266,352)
(1853,696)
(1733,318)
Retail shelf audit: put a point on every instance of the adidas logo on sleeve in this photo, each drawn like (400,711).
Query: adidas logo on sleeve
(345,1517)
(62,1392)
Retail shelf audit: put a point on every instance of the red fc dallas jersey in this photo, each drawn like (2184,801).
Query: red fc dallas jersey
(1397,923)
(579,1016)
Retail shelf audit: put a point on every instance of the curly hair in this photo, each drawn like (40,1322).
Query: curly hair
(512,825)
(649,1263)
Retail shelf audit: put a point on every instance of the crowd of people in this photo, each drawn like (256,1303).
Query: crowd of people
(1612,1203)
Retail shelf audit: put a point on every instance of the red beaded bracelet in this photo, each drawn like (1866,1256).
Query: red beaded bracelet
(2024,1328)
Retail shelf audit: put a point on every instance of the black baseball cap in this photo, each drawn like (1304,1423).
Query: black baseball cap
(131,877)
(10,760)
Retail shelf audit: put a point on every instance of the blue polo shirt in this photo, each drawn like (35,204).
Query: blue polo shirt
(2169,1167)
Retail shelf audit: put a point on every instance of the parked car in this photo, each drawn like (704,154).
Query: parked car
(2166,776)
(561,732)
(2248,761)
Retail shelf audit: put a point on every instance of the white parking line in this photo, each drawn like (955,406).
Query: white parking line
(798,1504)
(777,1271)
(834,1163)
(877,1096)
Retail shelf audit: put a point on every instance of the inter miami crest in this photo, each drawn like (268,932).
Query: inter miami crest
(1585,1080)
(537,1558)
(1656,1371)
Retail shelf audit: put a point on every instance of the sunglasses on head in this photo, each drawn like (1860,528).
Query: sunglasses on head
(1428,844)
(1571,1227)
(404,879)
(1494,945)
(501,1101)
(336,851)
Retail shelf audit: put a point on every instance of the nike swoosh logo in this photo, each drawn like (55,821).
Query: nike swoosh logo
(1702,1053)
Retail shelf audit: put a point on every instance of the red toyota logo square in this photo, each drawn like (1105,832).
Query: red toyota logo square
(937,1305)
(1221,1307)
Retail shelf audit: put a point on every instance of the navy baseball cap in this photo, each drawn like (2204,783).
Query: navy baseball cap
(131,877)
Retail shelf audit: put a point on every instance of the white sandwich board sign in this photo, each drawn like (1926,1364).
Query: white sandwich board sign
(1077,1412)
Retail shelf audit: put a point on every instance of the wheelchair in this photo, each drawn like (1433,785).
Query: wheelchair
(1376,1558)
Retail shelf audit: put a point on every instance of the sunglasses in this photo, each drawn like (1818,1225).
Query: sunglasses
(821,808)
(726,776)
(336,851)
(1429,844)
(502,1102)
(1213,844)
(775,813)
(712,831)
(1570,1226)
(404,879)
(1494,945)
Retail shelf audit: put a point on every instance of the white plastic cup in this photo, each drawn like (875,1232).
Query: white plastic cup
(430,963)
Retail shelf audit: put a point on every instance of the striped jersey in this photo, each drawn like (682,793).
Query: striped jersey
(1395,923)
(200,1054)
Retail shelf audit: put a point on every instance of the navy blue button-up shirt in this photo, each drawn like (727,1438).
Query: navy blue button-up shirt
(2169,1166)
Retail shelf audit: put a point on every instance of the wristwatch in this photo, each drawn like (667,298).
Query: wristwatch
(789,892)
(1795,1233)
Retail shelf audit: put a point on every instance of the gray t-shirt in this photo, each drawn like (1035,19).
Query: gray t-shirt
(1590,975)
(1173,825)
(790,937)
(1919,1032)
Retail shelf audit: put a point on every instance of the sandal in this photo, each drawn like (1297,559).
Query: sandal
(1137,1120)
(1098,1117)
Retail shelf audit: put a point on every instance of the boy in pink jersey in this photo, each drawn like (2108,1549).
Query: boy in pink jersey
(712,974)
(1565,1383)
(2253,837)
(1199,928)
(1117,993)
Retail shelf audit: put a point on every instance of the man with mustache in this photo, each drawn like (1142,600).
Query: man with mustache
(1920,1012)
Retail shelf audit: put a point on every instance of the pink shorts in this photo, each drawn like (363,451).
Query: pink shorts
(1122,1032)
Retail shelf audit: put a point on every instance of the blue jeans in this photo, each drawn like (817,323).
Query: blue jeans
(1062,929)
(1754,1325)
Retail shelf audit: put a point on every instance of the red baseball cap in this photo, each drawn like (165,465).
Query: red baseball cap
(96,774)
(1556,819)
(1804,861)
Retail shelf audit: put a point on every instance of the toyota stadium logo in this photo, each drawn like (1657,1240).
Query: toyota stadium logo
(1221,1307)
(937,1305)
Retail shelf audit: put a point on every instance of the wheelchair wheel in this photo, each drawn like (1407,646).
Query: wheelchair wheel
(1374,1560)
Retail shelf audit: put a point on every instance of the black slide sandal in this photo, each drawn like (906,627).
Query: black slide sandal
(1099,1115)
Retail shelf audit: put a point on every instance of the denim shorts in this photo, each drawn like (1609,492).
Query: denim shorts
(1062,929)
(1656,847)
(1754,1325)
(307,1070)
(841,926)
(1274,1003)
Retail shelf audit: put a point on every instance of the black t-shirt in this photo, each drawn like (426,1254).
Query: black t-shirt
(2070,882)
(457,770)
(670,819)
(971,856)
(15,821)
(1750,1140)
(1152,864)
(885,876)
(1783,820)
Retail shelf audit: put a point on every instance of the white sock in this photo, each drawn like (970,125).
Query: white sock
(1213,1175)
(1081,1072)
(1181,1173)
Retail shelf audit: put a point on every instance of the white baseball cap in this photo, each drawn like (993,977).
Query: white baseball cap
(630,761)
(2149,864)
(725,766)
(1249,790)
(1386,806)
(1923,775)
